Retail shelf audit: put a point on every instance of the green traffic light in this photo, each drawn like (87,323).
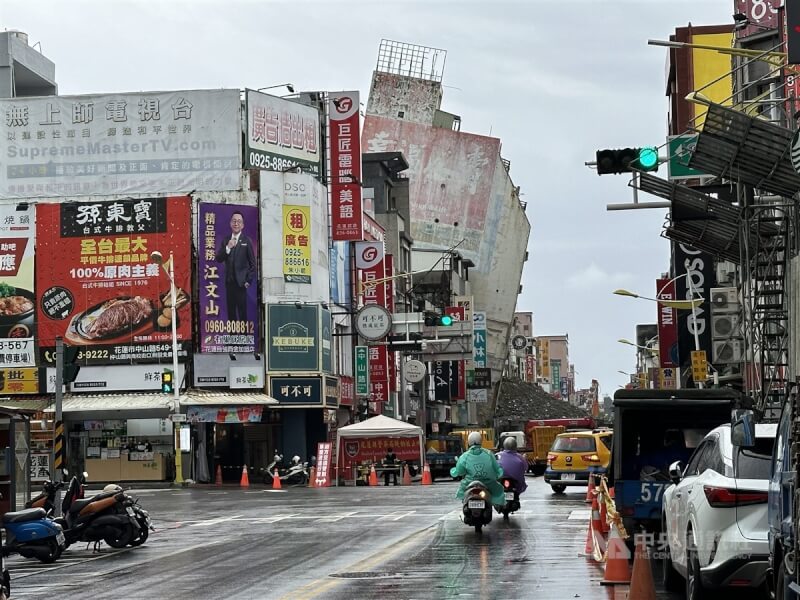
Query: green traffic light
(446,320)
(648,158)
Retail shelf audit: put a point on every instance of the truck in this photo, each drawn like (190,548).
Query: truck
(540,439)
(486,432)
(652,429)
(442,452)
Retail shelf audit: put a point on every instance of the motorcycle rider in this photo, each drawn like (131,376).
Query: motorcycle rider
(513,463)
(479,464)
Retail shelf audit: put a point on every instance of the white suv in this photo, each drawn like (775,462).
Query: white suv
(715,514)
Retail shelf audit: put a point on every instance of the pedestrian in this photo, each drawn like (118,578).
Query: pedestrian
(390,460)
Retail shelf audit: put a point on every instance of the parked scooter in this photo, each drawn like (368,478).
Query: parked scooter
(31,534)
(106,516)
(512,497)
(477,506)
(297,473)
(46,498)
(142,516)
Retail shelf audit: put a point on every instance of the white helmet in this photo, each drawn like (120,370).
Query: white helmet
(510,443)
(296,459)
(474,439)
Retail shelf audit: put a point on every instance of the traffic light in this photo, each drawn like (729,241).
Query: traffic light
(625,160)
(167,381)
(437,320)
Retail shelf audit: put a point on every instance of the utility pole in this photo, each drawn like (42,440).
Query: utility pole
(58,427)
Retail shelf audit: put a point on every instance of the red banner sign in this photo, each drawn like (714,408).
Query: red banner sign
(530,368)
(346,391)
(371,266)
(357,450)
(324,456)
(667,325)
(99,287)
(345,143)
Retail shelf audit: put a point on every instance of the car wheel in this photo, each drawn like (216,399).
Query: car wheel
(694,586)
(670,578)
(558,488)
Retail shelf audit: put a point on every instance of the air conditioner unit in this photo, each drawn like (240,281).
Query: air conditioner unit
(728,351)
(726,326)
(726,273)
(724,300)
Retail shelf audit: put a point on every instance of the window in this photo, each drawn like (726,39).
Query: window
(574,444)
(607,441)
(695,462)
(753,463)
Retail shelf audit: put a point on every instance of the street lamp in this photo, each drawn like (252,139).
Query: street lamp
(158,258)
(630,343)
(288,86)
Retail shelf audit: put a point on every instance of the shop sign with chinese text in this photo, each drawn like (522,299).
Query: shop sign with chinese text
(99,288)
(324,458)
(362,371)
(130,143)
(296,243)
(281,134)
(228,278)
(293,338)
(296,390)
(345,177)
(225,414)
(18,323)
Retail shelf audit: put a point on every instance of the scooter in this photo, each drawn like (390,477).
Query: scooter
(477,506)
(142,516)
(31,534)
(46,498)
(104,517)
(512,497)
(297,473)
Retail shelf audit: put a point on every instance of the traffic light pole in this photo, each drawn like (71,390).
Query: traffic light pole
(175,382)
(58,426)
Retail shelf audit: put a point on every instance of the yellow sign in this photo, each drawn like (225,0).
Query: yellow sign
(642,380)
(296,244)
(545,359)
(19,381)
(699,365)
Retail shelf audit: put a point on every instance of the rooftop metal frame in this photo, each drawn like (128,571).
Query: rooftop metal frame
(411,60)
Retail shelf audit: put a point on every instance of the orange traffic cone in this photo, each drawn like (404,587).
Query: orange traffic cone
(426,475)
(642,585)
(406,476)
(373,477)
(617,568)
(276,480)
(312,476)
(595,542)
(590,489)
(245,482)
(218,480)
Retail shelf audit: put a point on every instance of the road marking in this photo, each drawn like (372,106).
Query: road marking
(216,493)
(273,519)
(61,564)
(580,514)
(397,515)
(214,521)
(335,518)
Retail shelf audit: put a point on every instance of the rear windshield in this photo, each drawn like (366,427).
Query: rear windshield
(574,444)
(754,463)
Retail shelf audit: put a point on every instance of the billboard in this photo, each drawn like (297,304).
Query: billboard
(296,239)
(17,300)
(294,340)
(228,278)
(345,177)
(371,265)
(281,134)
(98,287)
(130,143)
(667,325)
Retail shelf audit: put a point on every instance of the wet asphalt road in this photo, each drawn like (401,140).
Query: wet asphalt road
(333,543)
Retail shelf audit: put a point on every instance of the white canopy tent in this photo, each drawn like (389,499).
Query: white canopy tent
(379,426)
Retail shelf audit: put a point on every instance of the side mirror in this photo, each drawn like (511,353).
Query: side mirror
(676,471)
(743,428)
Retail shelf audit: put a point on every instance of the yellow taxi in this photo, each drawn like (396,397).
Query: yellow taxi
(575,455)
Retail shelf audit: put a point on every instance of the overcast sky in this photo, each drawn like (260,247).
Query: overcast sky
(555,80)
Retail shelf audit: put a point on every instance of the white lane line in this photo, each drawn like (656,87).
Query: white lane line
(397,515)
(217,493)
(335,518)
(215,521)
(580,514)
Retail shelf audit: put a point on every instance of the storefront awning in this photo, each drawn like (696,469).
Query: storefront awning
(26,404)
(225,398)
(114,406)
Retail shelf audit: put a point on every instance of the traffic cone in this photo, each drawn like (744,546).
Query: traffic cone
(595,542)
(603,513)
(276,480)
(617,568)
(642,585)
(373,477)
(406,476)
(245,482)
(426,475)
(590,489)
(218,480)
(312,476)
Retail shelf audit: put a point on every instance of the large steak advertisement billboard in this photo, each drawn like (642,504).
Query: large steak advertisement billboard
(98,286)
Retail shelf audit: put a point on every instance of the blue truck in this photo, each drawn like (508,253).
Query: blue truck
(652,429)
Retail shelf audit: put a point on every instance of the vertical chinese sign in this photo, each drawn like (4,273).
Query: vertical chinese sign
(98,286)
(18,324)
(667,325)
(228,278)
(362,371)
(324,456)
(458,313)
(296,243)
(394,382)
(478,351)
(345,177)
(371,267)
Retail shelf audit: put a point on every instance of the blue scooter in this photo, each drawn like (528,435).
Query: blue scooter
(30,533)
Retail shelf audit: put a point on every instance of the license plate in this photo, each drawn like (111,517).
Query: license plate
(475,504)
(129,511)
(509,495)
(568,477)
(60,539)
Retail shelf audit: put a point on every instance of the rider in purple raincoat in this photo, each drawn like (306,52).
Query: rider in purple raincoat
(513,463)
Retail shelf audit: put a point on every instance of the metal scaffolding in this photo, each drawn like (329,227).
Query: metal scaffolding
(410,60)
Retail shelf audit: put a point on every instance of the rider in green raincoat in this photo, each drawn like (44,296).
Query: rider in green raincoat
(479,464)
